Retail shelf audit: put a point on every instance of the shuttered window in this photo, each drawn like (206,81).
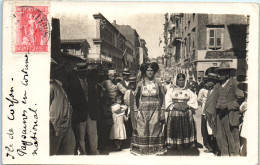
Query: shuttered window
(215,38)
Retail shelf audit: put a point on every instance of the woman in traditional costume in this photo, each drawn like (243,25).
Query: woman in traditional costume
(180,102)
(149,136)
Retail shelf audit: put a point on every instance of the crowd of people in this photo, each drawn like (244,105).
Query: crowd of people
(90,116)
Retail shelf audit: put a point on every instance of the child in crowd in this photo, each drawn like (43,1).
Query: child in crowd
(118,131)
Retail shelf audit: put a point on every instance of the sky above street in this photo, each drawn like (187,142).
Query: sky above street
(148,24)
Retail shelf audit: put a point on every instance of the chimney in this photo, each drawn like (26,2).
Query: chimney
(114,22)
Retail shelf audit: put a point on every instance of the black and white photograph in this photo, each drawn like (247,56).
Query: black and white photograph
(115,89)
(131,82)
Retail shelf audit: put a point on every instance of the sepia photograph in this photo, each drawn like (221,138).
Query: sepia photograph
(123,84)
(180,92)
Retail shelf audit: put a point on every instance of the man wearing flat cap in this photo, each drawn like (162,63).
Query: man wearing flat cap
(228,100)
(84,116)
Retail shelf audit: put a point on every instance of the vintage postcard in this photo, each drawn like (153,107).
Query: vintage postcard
(129,83)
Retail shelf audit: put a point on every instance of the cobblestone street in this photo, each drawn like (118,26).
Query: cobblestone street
(192,152)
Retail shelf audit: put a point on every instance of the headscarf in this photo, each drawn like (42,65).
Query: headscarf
(175,81)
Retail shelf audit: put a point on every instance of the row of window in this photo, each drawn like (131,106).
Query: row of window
(112,38)
(214,42)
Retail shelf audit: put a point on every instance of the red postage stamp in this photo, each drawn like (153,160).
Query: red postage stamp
(32,29)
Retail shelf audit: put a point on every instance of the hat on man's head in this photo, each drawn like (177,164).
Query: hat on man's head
(81,67)
(210,70)
(126,71)
(211,76)
(93,69)
(224,65)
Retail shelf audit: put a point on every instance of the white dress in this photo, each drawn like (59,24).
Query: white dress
(118,130)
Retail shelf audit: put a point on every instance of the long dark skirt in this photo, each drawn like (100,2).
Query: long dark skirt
(181,129)
(148,137)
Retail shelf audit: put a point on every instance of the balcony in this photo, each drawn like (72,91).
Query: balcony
(176,38)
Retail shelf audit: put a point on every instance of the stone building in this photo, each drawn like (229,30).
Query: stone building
(195,42)
(93,38)
(140,50)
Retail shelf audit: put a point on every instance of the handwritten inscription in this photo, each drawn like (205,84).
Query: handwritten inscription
(25,71)
(34,130)
(12,101)
(20,110)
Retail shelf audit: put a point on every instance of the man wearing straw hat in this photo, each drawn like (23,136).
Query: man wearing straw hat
(83,115)
(126,74)
(227,108)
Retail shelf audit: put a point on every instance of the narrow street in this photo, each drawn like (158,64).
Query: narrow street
(193,152)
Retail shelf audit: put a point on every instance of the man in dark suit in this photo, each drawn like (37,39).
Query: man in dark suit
(228,115)
(84,116)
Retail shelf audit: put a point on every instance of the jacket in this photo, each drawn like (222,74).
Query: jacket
(94,100)
(232,94)
(124,84)
(60,108)
(210,109)
(78,99)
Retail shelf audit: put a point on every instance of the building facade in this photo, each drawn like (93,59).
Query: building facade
(75,47)
(95,39)
(195,42)
(140,50)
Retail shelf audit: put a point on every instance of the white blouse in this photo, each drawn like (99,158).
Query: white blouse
(181,95)
(149,89)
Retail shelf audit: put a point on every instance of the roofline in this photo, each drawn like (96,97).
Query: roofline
(100,16)
(73,40)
